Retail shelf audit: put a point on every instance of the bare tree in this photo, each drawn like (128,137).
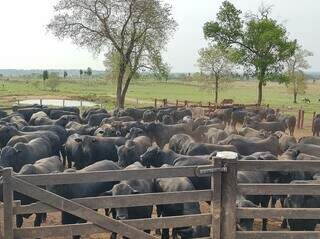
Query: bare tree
(135,30)
(215,66)
(295,66)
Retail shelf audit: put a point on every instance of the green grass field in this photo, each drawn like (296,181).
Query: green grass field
(277,96)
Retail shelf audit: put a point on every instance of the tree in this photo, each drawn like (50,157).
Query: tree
(65,74)
(89,72)
(295,66)
(45,75)
(81,73)
(260,43)
(214,63)
(131,31)
(53,81)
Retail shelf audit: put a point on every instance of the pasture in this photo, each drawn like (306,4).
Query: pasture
(145,91)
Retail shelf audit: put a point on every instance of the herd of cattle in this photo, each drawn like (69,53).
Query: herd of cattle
(40,140)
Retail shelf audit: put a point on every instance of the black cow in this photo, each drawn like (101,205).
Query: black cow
(15,119)
(85,150)
(77,128)
(3,114)
(56,114)
(136,186)
(42,166)
(267,126)
(161,133)
(246,146)
(96,119)
(21,154)
(83,190)
(178,115)
(302,201)
(137,114)
(178,209)
(149,116)
(59,130)
(131,151)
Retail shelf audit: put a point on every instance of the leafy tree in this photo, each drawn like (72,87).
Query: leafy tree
(260,44)
(45,75)
(133,30)
(295,66)
(81,73)
(215,65)
(53,81)
(65,74)
(89,71)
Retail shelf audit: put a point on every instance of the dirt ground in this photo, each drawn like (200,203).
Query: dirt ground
(54,218)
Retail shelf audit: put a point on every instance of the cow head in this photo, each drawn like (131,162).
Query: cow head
(151,157)
(121,189)
(10,156)
(127,154)
(134,133)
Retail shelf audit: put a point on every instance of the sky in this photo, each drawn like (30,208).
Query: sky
(25,43)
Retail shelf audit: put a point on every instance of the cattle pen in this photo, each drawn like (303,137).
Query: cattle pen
(222,195)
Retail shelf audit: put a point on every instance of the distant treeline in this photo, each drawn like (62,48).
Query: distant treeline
(97,74)
(38,72)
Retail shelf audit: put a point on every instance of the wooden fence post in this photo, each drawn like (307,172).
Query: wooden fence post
(314,116)
(216,200)
(155,103)
(302,119)
(299,119)
(229,195)
(7,201)
(41,102)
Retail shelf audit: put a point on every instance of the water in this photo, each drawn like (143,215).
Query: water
(59,103)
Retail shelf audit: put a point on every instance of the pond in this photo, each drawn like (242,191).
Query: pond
(59,103)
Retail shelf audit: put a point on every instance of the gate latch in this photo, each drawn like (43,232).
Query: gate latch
(208,171)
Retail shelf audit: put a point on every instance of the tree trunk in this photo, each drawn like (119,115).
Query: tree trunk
(217,90)
(120,100)
(260,92)
(295,97)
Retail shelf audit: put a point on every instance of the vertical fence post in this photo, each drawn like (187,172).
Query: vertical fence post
(216,200)
(299,119)
(7,201)
(155,103)
(41,102)
(63,102)
(229,196)
(302,119)
(314,116)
